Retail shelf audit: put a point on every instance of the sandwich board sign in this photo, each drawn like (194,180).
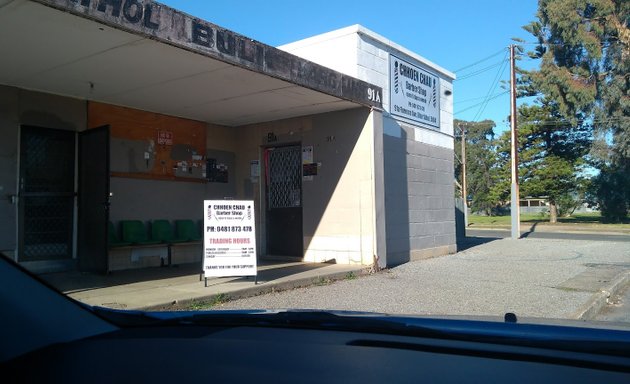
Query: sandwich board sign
(229,238)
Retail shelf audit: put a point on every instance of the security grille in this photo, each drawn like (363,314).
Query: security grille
(285,177)
(47,160)
(46,194)
(48,224)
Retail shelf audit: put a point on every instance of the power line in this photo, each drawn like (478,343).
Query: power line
(476,98)
(482,70)
(485,101)
(611,119)
(494,84)
(479,61)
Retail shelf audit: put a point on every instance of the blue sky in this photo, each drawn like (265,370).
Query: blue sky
(452,34)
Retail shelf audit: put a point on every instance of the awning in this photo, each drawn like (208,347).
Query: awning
(148,56)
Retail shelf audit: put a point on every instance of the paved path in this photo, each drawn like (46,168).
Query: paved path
(531,277)
(159,288)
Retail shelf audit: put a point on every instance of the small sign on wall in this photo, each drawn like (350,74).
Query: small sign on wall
(307,154)
(165,138)
(309,169)
(254,170)
(307,163)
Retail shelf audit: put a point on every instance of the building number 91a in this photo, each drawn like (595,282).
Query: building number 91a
(373,95)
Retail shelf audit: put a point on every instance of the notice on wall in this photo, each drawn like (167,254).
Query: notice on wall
(307,159)
(414,93)
(229,238)
(254,170)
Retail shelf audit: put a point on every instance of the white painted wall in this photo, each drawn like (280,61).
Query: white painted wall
(361,53)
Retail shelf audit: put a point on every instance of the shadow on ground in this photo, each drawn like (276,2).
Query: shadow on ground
(473,241)
(74,281)
(531,230)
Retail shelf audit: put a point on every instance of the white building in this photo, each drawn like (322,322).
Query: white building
(418,134)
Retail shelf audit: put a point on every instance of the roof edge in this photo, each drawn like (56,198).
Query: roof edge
(361,30)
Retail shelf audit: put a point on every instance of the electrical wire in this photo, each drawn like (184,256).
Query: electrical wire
(494,84)
(469,100)
(479,61)
(560,123)
(482,70)
(485,101)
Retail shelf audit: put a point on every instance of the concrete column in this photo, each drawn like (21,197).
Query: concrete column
(380,244)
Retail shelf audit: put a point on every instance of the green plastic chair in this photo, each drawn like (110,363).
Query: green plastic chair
(163,231)
(186,229)
(113,239)
(135,232)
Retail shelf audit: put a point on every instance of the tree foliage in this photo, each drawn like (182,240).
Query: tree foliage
(550,155)
(480,164)
(584,47)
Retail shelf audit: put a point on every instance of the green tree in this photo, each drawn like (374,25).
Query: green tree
(610,192)
(584,47)
(551,154)
(480,163)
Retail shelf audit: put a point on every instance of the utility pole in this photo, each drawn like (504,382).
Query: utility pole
(464,192)
(515,210)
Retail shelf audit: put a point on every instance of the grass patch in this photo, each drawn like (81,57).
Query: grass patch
(504,220)
(199,305)
(322,281)
(593,219)
(351,276)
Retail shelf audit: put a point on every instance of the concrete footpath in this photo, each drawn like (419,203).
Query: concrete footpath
(180,287)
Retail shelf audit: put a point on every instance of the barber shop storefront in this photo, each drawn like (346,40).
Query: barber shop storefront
(119,119)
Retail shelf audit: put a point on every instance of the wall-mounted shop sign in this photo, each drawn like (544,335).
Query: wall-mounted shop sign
(414,93)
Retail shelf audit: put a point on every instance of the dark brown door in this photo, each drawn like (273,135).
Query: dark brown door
(283,167)
(93,214)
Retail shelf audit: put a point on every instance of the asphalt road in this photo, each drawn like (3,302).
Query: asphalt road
(619,307)
(502,234)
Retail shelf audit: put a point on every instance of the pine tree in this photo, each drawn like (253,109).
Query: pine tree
(551,154)
(584,47)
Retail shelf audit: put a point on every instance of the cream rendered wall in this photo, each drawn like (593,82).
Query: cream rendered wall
(339,217)
(345,231)
(221,138)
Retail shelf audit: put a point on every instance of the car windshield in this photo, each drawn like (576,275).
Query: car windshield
(433,159)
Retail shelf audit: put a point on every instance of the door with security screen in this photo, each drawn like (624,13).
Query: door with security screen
(46,194)
(283,167)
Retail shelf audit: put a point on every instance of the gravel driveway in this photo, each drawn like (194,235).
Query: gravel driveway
(531,277)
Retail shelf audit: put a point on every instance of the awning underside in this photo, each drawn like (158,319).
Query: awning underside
(48,50)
